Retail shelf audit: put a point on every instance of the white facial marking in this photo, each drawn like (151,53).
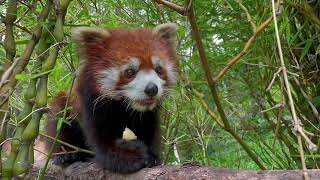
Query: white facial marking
(135,89)
(134,64)
(108,79)
(156,61)
(171,72)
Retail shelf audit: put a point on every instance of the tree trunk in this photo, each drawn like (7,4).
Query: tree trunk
(89,170)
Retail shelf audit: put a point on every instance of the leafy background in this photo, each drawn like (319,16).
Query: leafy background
(190,135)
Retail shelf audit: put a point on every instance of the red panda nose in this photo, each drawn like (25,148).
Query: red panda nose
(151,89)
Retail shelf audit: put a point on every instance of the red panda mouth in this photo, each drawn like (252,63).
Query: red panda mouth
(148,101)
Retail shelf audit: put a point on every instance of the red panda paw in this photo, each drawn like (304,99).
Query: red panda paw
(69,158)
(134,153)
(138,151)
(124,157)
(153,160)
(65,159)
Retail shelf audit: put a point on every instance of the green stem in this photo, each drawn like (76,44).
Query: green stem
(10,49)
(213,87)
(22,163)
(21,150)
(306,10)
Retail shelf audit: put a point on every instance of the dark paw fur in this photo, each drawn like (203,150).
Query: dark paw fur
(125,157)
(153,160)
(64,159)
(67,159)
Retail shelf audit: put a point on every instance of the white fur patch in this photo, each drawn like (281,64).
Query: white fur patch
(134,64)
(108,79)
(84,34)
(167,31)
(156,61)
(171,72)
(135,89)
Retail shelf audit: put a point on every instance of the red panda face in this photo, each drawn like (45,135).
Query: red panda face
(137,66)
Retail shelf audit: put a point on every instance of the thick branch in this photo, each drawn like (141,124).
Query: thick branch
(88,171)
(24,59)
(177,8)
(189,11)
(213,88)
(9,43)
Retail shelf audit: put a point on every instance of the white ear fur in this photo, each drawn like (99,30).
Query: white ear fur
(168,31)
(85,35)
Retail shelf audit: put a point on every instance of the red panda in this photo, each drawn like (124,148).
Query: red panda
(125,74)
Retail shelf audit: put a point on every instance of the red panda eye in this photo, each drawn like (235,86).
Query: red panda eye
(129,73)
(159,70)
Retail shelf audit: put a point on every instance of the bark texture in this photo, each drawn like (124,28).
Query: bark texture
(89,170)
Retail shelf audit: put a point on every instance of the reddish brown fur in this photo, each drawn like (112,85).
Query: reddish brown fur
(103,122)
(70,133)
(123,44)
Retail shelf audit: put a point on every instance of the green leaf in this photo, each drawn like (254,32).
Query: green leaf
(41,74)
(306,49)
(23,41)
(22,77)
(316,101)
(59,124)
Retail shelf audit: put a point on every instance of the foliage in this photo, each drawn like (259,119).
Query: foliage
(252,92)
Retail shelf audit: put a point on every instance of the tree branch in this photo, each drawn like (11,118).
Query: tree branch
(189,11)
(77,149)
(175,7)
(236,58)
(89,171)
(213,88)
(295,121)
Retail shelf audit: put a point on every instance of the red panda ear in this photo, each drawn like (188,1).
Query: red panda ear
(167,31)
(88,35)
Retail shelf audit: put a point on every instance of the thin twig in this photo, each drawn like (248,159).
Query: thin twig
(34,111)
(8,139)
(48,49)
(177,8)
(175,151)
(3,122)
(254,27)
(236,58)
(6,75)
(206,106)
(260,65)
(273,79)
(68,145)
(280,113)
(40,151)
(314,109)
(274,107)
(291,102)
(256,32)
(23,28)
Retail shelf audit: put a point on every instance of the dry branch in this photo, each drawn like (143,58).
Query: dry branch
(189,12)
(177,8)
(295,121)
(235,59)
(89,170)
